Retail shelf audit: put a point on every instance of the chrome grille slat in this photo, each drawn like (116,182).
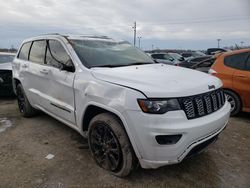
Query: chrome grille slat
(203,104)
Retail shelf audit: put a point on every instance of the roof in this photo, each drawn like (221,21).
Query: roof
(73,37)
(234,52)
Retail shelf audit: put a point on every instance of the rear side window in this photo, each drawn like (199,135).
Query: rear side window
(24,52)
(236,61)
(248,63)
(37,51)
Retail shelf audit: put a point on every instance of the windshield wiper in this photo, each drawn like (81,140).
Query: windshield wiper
(123,65)
(139,63)
(109,65)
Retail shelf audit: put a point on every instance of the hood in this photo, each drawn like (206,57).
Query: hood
(5,66)
(159,80)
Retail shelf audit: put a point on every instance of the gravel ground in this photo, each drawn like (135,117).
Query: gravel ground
(24,144)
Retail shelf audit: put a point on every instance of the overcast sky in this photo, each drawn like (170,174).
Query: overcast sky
(185,24)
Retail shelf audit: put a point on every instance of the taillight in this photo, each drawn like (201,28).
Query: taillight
(212,72)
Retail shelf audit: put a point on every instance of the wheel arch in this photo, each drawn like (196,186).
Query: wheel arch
(242,104)
(94,109)
(234,93)
(15,82)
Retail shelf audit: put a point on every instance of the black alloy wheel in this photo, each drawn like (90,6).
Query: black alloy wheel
(105,147)
(20,100)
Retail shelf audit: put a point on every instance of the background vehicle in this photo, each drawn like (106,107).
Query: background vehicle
(233,68)
(205,65)
(6,88)
(129,107)
(167,58)
(176,56)
(192,54)
(163,58)
(212,51)
(194,60)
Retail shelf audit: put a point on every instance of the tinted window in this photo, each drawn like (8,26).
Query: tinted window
(158,56)
(236,61)
(24,52)
(248,63)
(186,55)
(56,54)
(37,51)
(162,56)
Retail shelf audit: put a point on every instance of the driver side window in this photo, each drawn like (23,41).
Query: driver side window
(56,55)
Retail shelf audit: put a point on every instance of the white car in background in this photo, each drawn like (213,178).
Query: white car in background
(169,58)
(130,108)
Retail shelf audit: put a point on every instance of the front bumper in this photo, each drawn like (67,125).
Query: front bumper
(144,127)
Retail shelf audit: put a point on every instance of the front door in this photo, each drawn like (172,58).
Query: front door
(58,92)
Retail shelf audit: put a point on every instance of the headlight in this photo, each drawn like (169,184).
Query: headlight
(158,106)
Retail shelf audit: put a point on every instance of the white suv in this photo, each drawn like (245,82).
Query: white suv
(130,108)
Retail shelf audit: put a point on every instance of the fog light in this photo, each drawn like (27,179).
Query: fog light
(168,139)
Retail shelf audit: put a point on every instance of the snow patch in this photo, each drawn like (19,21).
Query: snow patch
(50,156)
(4,124)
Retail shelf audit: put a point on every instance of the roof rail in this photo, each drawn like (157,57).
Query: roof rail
(52,34)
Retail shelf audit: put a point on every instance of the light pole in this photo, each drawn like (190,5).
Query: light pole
(139,40)
(134,27)
(218,42)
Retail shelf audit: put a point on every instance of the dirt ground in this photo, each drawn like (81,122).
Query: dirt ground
(24,144)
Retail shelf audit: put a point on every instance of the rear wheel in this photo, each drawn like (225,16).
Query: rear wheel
(110,145)
(234,101)
(24,106)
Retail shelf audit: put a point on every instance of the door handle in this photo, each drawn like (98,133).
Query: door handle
(24,65)
(44,71)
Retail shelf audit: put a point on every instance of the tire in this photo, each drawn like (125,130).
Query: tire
(110,146)
(234,101)
(24,106)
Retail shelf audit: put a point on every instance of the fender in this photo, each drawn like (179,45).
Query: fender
(120,116)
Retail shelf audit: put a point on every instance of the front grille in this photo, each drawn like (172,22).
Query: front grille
(203,104)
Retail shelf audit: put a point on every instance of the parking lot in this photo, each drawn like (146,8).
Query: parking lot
(24,144)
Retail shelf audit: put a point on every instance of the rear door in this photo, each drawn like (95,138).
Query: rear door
(34,78)
(241,80)
(21,67)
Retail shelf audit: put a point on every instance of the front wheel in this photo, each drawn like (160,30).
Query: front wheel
(110,146)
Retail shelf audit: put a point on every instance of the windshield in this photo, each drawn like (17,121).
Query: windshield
(6,58)
(101,53)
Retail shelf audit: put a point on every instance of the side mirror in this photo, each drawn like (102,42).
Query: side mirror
(68,66)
